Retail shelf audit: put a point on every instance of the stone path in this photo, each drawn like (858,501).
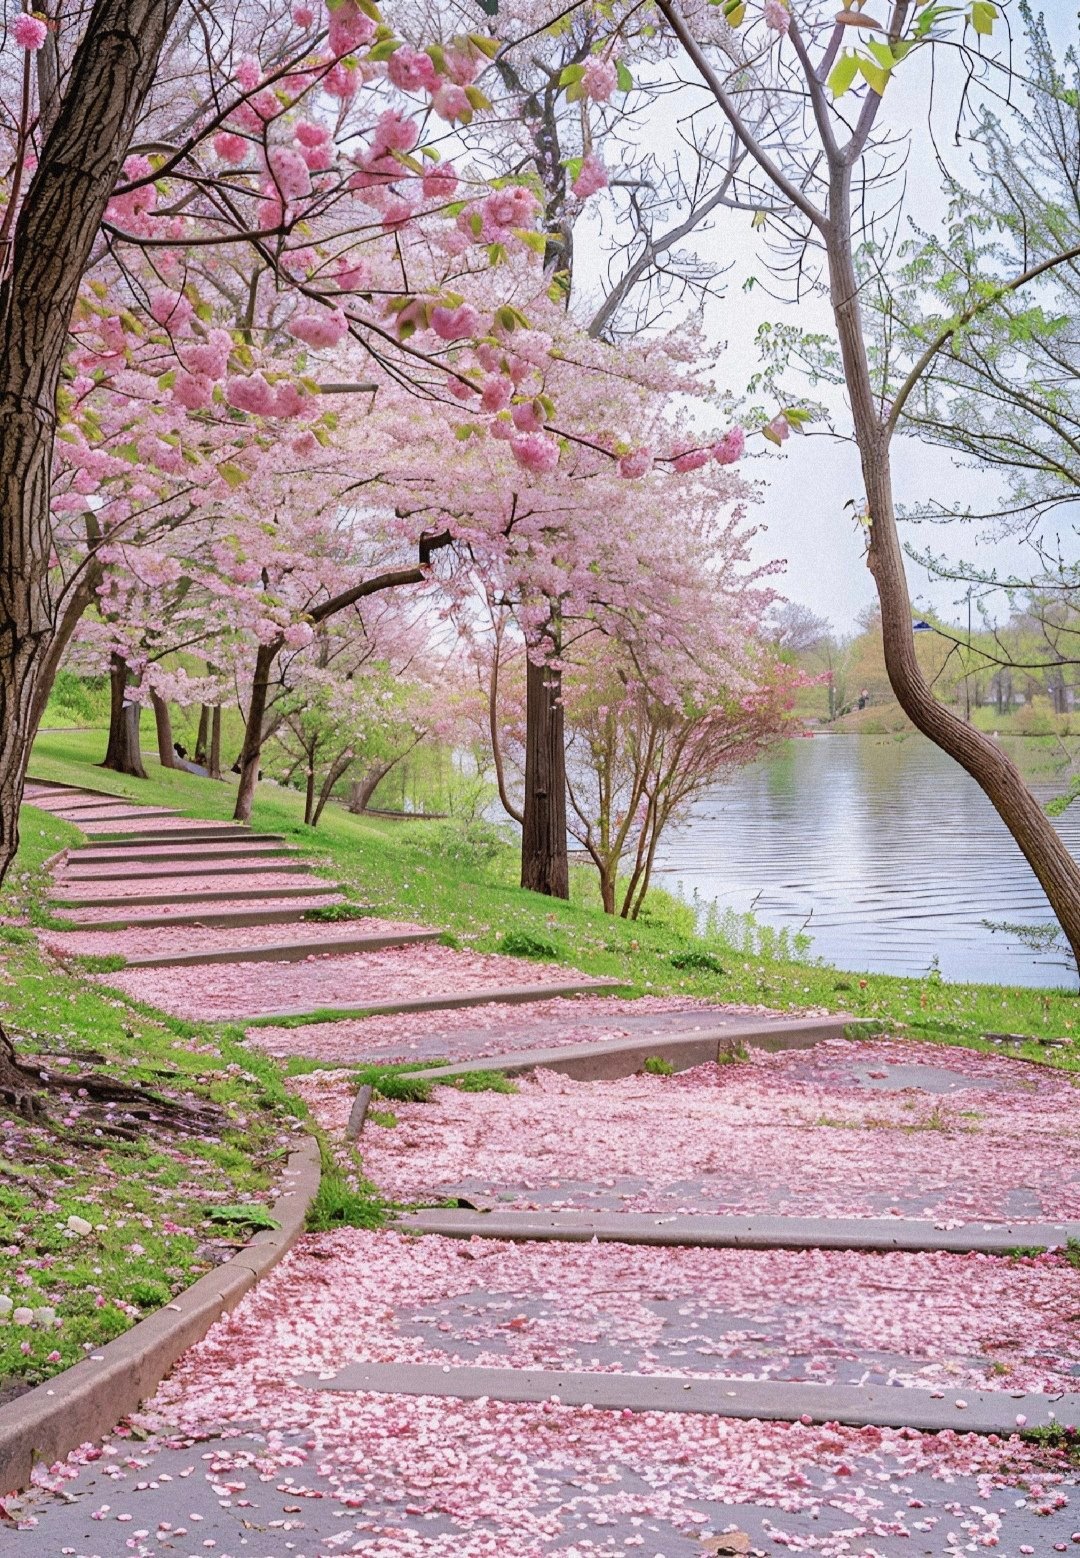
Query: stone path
(798,1296)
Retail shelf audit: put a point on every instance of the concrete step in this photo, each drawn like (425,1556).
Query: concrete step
(605,1060)
(509,996)
(875,1234)
(857,1406)
(97,855)
(212,833)
(212,917)
(82,814)
(283,951)
(243,868)
(240,895)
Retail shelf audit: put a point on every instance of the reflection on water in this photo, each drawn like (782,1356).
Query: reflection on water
(890,850)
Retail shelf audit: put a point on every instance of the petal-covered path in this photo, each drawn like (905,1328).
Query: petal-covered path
(559,1374)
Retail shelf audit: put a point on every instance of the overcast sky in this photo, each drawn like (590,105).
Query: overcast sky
(808,485)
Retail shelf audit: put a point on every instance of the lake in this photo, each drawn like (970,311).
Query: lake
(883,848)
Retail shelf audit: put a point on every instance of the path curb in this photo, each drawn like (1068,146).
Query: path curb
(511,995)
(872,1235)
(606,1060)
(85,1402)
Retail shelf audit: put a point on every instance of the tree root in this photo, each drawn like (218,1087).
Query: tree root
(121,1109)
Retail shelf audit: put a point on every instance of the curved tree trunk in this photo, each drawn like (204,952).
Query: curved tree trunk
(57,223)
(253,731)
(983,759)
(123,753)
(163,725)
(362,790)
(545,866)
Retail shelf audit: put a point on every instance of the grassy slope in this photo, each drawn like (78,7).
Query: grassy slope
(435,874)
(148,1199)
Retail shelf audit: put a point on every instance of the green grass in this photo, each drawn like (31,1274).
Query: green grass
(458,879)
(162,1208)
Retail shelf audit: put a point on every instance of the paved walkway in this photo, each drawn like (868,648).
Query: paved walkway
(773,1302)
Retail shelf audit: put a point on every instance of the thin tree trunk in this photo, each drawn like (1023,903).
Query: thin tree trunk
(545,866)
(166,755)
(123,753)
(214,764)
(309,792)
(1043,848)
(57,223)
(508,806)
(253,731)
(202,735)
(337,769)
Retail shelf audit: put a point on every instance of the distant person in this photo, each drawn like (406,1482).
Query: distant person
(864,698)
(181,751)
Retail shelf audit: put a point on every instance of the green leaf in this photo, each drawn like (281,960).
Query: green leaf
(506,318)
(758,221)
(882,53)
(127,452)
(232,475)
(734,12)
(623,77)
(983,16)
(477,98)
(383,50)
(570,73)
(875,78)
(486,45)
(842,74)
(535,241)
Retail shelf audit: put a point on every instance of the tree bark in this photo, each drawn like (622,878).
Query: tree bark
(214,762)
(253,730)
(163,725)
(123,753)
(545,866)
(202,735)
(361,791)
(309,793)
(112,70)
(1042,846)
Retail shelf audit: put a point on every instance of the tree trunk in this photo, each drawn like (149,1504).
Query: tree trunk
(166,755)
(123,753)
(253,731)
(361,791)
(982,758)
(214,763)
(545,867)
(59,219)
(309,793)
(202,735)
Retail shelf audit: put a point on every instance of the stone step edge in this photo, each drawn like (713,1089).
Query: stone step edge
(130,845)
(220,833)
(241,850)
(606,1060)
(214,919)
(283,952)
(857,1406)
(60,787)
(77,816)
(215,895)
(85,1402)
(236,868)
(869,1234)
(512,995)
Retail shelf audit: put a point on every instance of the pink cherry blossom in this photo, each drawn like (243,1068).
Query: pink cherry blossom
(229,147)
(592,177)
(171,309)
(528,417)
(451,102)
(440,182)
(411,70)
(692,460)
(638,463)
(319,327)
(209,358)
(290,173)
(29,31)
(780,427)
(350,29)
(303,15)
(252,394)
(495,393)
(455,324)
(730,448)
(777,16)
(600,79)
(535,452)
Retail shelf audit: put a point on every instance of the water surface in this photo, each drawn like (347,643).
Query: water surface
(882,847)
